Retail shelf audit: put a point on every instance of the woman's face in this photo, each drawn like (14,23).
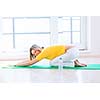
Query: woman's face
(35,52)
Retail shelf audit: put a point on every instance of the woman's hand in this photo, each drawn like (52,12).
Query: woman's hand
(27,62)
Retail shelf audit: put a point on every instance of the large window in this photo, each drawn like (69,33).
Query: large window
(22,32)
(69,30)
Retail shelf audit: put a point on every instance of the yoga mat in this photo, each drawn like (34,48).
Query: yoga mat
(89,67)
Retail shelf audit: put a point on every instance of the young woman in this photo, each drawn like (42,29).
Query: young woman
(53,53)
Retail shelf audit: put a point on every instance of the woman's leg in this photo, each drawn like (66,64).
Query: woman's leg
(55,61)
(71,55)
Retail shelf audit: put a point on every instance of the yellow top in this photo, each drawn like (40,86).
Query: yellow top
(51,52)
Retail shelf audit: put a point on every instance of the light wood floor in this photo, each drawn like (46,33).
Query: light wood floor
(52,75)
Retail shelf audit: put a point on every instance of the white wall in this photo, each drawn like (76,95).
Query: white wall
(0,31)
(95,34)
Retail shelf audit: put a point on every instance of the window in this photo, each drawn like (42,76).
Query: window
(22,32)
(30,31)
(7,33)
(69,30)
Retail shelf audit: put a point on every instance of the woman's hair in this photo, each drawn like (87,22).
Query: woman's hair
(34,46)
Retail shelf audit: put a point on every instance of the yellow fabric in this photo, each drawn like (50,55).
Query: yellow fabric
(51,52)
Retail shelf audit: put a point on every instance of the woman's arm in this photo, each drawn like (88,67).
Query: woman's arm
(27,62)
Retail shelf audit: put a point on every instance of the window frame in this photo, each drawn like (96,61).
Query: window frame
(54,32)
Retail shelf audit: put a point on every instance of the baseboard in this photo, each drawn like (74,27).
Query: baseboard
(90,55)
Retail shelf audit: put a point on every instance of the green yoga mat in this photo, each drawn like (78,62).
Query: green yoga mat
(89,67)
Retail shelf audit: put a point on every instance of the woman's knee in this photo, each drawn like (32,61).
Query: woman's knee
(71,54)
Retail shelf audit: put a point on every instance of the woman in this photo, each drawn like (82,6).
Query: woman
(52,53)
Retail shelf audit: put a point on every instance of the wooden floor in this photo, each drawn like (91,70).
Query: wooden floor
(52,75)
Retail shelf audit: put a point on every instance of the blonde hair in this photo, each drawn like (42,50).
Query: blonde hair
(34,47)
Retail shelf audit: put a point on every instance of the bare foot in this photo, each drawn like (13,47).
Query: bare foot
(78,64)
